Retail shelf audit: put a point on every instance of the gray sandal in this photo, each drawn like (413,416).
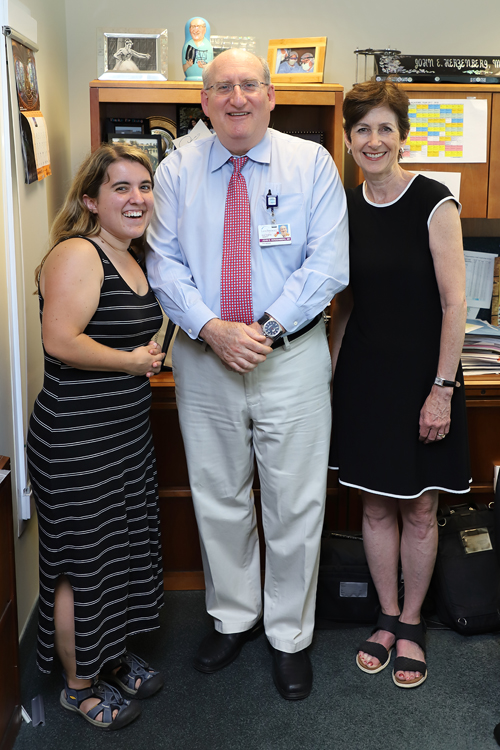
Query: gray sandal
(110,701)
(131,669)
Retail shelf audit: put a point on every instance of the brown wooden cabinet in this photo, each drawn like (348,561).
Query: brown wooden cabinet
(299,107)
(10,695)
(483,416)
(494,164)
(480,183)
(181,550)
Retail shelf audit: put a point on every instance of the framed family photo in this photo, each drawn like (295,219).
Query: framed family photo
(187,117)
(132,55)
(297,60)
(150,143)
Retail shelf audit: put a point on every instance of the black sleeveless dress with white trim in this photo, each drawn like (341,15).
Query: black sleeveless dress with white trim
(389,354)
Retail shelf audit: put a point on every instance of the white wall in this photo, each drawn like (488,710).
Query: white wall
(453,27)
(51,63)
(6,438)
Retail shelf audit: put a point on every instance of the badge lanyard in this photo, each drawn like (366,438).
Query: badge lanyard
(273,234)
(272,203)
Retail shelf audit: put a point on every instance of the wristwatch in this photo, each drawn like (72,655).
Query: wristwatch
(446,383)
(270,327)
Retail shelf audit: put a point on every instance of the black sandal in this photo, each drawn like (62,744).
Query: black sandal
(131,669)
(384,622)
(110,701)
(416,634)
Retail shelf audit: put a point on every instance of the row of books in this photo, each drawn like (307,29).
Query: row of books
(481,352)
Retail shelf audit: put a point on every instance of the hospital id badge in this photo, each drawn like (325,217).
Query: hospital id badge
(274,234)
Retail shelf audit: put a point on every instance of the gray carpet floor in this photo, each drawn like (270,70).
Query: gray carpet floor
(240,709)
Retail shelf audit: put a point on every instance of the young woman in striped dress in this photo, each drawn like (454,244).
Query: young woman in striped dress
(90,449)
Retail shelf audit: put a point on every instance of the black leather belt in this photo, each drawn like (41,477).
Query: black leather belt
(292,336)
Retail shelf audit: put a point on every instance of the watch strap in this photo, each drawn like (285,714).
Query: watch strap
(263,320)
(446,383)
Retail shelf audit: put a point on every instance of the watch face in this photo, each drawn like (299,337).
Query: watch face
(271,329)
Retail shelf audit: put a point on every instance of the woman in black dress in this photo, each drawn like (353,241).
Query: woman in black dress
(399,419)
(90,450)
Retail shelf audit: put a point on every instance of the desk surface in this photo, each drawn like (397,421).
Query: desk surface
(473,383)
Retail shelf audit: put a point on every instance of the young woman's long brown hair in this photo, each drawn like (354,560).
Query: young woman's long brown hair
(74,218)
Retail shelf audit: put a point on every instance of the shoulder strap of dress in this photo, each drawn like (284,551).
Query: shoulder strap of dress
(72,237)
(89,239)
(102,255)
(79,237)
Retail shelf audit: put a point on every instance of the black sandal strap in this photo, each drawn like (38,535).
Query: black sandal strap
(405,664)
(386,622)
(375,649)
(414,633)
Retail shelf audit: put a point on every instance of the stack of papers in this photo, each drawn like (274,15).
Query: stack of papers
(481,352)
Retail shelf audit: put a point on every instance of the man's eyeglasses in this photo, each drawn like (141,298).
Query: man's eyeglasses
(226,89)
(198,26)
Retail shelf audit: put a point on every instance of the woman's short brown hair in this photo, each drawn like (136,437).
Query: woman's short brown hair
(364,97)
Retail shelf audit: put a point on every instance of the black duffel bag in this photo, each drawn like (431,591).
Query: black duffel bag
(466,580)
(346,592)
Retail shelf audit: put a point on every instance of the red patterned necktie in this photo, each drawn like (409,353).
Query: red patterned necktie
(236,277)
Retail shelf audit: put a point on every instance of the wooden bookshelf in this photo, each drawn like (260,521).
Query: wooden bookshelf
(299,107)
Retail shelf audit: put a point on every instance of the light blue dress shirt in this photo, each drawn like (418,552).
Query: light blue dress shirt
(292,283)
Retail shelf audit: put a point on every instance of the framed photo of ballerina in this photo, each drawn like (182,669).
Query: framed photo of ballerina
(132,54)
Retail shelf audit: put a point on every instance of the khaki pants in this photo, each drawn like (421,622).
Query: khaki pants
(280,415)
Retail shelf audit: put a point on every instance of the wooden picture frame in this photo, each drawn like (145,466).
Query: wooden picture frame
(306,54)
(149,143)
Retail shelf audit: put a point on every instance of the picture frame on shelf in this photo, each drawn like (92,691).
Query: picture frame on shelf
(305,55)
(150,143)
(132,54)
(124,125)
(166,129)
(186,114)
(222,43)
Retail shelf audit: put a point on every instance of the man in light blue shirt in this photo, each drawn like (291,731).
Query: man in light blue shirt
(260,390)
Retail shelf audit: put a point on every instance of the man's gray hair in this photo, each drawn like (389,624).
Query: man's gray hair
(265,70)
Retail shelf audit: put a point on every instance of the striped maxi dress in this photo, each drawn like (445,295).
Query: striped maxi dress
(93,474)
